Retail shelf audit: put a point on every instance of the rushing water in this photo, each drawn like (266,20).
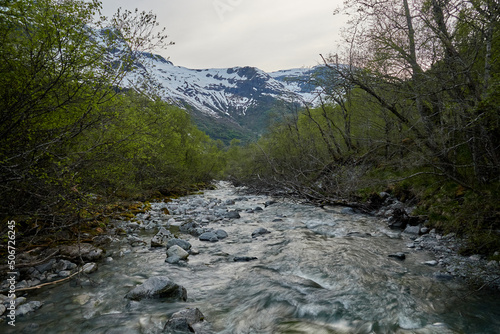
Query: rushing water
(318,271)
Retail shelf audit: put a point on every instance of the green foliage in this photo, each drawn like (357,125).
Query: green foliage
(69,139)
(415,112)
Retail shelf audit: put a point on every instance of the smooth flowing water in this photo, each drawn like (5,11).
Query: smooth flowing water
(318,271)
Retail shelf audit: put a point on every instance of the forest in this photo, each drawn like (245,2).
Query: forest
(410,106)
(74,146)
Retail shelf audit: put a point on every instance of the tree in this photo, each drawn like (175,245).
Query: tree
(59,75)
(419,61)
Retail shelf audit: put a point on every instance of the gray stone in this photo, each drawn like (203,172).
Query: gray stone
(2,309)
(135,241)
(268,203)
(431,263)
(424,230)
(398,256)
(244,258)
(173,259)
(60,265)
(179,242)
(260,231)
(347,211)
(158,287)
(20,301)
(161,238)
(45,266)
(183,321)
(412,230)
(21,285)
(178,325)
(86,251)
(64,273)
(28,307)
(209,236)
(233,215)
(442,276)
(102,240)
(192,315)
(34,282)
(178,251)
(89,268)
(221,234)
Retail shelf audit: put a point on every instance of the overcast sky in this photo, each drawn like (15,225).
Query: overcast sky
(268,34)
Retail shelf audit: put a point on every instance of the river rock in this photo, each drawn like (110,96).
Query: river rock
(209,236)
(161,238)
(221,234)
(179,242)
(260,231)
(183,321)
(86,251)
(415,230)
(174,259)
(89,268)
(178,325)
(244,258)
(64,273)
(158,287)
(347,211)
(398,219)
(135,241)
(177,251)
(398,256)
(268,203)
(189,227)
(45,266)
(233,215)
(28,307)
(432,263)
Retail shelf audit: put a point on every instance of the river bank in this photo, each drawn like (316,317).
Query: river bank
(259,264)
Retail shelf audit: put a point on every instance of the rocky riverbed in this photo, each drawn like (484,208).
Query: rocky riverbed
(228,262)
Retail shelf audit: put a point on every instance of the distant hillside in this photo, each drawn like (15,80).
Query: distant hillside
(233,102)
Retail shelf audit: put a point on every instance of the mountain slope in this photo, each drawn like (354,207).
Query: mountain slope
(239,98)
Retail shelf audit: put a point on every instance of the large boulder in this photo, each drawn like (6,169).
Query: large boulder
(158,287)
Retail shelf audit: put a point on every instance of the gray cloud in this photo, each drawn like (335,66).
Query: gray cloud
(271,35)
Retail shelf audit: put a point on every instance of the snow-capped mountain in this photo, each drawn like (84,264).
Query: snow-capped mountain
(238,100)
(227,92)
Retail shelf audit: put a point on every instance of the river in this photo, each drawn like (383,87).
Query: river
(320,270)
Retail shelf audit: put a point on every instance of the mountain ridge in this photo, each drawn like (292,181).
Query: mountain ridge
(234,96)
